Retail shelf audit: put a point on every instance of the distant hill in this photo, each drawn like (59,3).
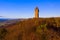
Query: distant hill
(31,29)
(2,20)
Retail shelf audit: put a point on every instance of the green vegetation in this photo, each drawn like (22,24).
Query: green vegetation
(41,31)
(41,28)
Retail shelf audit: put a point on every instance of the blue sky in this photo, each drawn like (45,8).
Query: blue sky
(25,8)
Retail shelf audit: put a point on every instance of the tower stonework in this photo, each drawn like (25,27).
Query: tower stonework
(36,12)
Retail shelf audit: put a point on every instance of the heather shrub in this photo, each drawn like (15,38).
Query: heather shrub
(41,28)
(3,32)
(42,32)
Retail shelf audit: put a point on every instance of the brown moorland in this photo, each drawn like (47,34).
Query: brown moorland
(32,29)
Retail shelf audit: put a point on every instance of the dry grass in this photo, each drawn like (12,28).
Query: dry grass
(33,29)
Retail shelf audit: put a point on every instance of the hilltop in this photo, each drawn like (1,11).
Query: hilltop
(32,29)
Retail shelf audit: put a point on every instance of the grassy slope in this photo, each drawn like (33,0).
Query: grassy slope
(33,29)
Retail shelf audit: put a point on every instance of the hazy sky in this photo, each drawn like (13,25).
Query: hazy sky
(25,8)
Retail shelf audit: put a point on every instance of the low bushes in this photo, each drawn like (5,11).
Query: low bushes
(3,32)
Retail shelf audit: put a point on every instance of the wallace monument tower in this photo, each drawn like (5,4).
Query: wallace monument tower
(36,12)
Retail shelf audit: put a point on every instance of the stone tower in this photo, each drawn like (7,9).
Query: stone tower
(36,12)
